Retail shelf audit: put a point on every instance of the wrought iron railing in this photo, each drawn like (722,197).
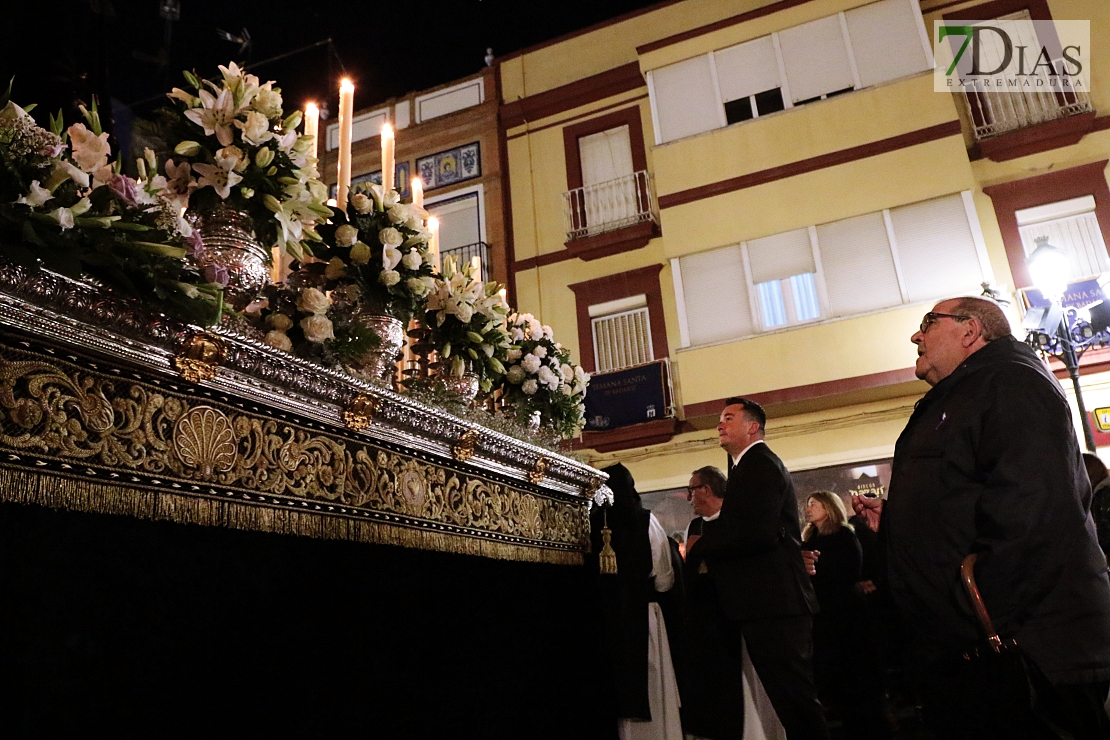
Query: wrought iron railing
(468,252)
(996,113)
(607,206)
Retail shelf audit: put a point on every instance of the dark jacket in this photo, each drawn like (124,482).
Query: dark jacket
(989,463)
(1100,512)
(753,553)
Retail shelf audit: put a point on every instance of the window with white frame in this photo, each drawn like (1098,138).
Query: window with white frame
(1072,226)
(609,192)
(621,333)
(913,253)
(848,51)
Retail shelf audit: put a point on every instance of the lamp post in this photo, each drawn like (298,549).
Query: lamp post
(1063,332)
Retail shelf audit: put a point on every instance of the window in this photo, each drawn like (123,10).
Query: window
(1072,226)
(609,192)
(829,56)
(871,262)
(621,333)
(461,230)
(623,292)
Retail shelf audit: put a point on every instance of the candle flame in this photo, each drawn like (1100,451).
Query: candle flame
(433,223)
(417,182)
(387,130)
(333,202)
(310,108)
(345,85)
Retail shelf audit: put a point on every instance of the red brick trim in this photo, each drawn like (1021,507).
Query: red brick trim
(571,135)
(813,391)
(883,146)
(572,95)
(613,242)
(724,23)
(637,435)
(613,287)
(1075,182)
(579,117)
(1040,138)
(1038,10)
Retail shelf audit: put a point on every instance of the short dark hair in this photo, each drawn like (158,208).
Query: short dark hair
(752,410)
(712,476)
(1096,469)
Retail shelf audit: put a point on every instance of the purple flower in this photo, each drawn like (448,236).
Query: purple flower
(194,244)
(125,189)
(214,273)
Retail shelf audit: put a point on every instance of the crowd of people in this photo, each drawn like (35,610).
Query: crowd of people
(981,570)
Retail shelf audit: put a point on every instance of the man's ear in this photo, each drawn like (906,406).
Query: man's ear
(973,330)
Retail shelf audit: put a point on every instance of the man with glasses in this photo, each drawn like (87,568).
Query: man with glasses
(989,464)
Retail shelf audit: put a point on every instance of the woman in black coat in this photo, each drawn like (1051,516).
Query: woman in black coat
(827,531)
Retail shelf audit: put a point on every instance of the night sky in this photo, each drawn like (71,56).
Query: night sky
(64,51)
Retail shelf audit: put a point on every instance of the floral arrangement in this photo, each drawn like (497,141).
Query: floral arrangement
(466,323)
(66,206)
(541,377)
(230,144)
(378,254)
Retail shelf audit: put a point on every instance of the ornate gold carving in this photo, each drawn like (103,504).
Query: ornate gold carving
(203,439)
(464,448)
(538,471)
(212,463)
(199,357)
(607,558)
(595,483)
(360,411)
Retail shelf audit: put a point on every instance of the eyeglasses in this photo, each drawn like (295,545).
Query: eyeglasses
(690,490)
(933,317)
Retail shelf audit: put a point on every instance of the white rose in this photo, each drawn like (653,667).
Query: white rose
(540,351)
(268,103)
(516,374)
(391,198)
(313,301)
(547,377)
(566,390)
(548,334)
(361,203)
(416,287)
(317,328)
(389,278)
(462,310)
(391,257)
(524,318)
(517,335)
(530,387)
(390,237)
(535,331)
(399,214)
(566,371)
(514,355)
(412,260)
(530,363)
(346,235)
(256,129)
(278,340)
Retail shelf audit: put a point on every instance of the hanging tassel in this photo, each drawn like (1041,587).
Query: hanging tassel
(607,558)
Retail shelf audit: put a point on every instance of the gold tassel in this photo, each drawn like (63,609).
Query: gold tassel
(607,558)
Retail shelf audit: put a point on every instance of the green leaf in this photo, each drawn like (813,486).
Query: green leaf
(30,107)
(161,249)
(30,235)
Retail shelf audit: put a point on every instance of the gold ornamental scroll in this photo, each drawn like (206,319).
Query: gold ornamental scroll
(76,435)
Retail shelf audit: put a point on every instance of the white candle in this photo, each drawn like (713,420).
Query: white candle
(433,243)
(476,263)
(504,297)
(387,157)
(418,192)
(346,120)
(312,126)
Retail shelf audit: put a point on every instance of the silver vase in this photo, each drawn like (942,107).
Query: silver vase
(229,242)
(463,387)
(378,365)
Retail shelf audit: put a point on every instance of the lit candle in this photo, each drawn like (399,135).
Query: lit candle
(418,192)
(387,157)
(476,263)
(433,243)
(312,126)
(346,120)
(504,297)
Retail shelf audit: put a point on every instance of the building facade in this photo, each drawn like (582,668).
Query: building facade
(769,195)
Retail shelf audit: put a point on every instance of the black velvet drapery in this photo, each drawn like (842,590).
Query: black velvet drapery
(123,627)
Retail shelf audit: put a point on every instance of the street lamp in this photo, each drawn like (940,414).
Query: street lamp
(1065,332)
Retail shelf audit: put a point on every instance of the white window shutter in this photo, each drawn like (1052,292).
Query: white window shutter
(857,265)
(747,69)
(622,340)
(605,156)
(686,102)
(886,40)
(816,58)
(936,249)
(716,293)
(780,256)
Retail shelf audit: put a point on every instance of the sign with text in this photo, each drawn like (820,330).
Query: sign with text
(1079,294)
(626,397)
(1012,56)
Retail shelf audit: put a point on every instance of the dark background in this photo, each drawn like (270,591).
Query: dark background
(64,51)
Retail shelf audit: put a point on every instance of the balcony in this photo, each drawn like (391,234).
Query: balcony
(1008,125)
(611,217)
(467,253)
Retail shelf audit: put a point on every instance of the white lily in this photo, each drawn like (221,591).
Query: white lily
(220,180)
(216,115)
(37,197)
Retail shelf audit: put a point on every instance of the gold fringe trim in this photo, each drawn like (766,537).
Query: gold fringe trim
(61,492)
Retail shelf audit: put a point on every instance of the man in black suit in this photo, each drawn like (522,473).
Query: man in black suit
(753,555)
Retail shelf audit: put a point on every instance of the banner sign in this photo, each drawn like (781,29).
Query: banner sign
(626,397)
(1080,294)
